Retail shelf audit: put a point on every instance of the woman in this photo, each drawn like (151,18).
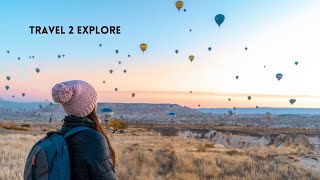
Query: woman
(91,154)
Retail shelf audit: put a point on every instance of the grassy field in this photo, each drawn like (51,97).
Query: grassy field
(145,154)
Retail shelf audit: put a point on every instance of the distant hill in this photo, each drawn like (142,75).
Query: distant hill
(262,110)
(16,106)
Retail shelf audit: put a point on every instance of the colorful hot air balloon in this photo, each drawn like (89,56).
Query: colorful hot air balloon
(179,5)
(296,63)
(107,113)
(249,98)
(191,58)
(117,51)
(219,19)
(133,95)
(37,70)
(111,71)
(143,47)
(176,51)
(292,101)
(237,77)
(279,76)
(172,116)
(8,78)
(209,48)
(7,88)
(23,94)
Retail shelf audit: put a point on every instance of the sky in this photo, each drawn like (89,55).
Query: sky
(277,33)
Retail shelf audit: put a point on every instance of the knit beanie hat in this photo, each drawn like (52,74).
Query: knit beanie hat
(78,98)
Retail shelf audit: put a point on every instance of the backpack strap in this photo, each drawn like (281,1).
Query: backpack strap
(75,130)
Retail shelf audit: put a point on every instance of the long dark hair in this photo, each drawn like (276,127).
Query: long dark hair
(93,116)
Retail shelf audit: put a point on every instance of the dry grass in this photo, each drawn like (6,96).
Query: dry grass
(144,154)
(13,127)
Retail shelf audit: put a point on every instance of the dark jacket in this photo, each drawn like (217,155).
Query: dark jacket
(89,152)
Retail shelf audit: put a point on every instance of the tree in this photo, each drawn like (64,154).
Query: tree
(117,124)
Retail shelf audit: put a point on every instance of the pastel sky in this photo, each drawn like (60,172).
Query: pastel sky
(277,33)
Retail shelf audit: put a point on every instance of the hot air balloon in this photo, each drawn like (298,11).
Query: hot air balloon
(179,5)
(172,116)
(257,107)
(8,78)
(37,70)
(176,51)
(59,56)
(249,98)
(111,71)
(116,89)
(7,88)
(124,71)
(198,105)
(191,58)
(268,116)
(8,51)
(190,92)
(100,45)
(117,51)
(190,30)
(209,48)
(279,76)
(18,58)
(264,66)
(32,57)
(119,62)
(63,55)
(245,48)
(23,94)
(229,99)
(133,95)
(107,113)
(143,47)
(237,77)
(234,108)
(12,96)
(184,10)
(292,101)
(103,82)
(296,63)
(129,55)
(219,19)
(29,57)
